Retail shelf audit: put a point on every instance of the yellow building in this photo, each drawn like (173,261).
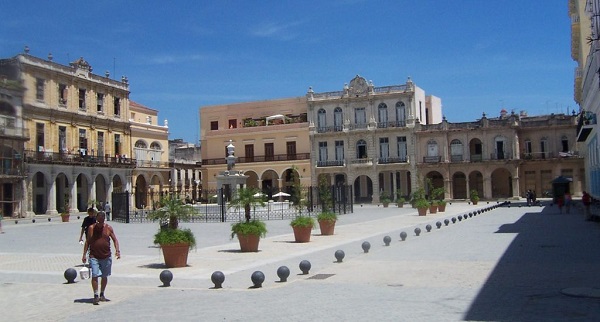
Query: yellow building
(87,140)
(270,138)
(151,154)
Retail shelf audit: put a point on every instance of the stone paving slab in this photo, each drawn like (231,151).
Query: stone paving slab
(488,267)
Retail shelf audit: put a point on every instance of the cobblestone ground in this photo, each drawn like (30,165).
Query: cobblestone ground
(508,264)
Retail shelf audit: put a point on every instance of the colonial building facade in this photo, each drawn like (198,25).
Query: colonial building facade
(270,138)
(500,157)
(585,50)
(80,136)
(13,136)
(364,136)
(186,165)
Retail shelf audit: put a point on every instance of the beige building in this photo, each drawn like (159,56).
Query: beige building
(81,137)
(585,50)
(13,136)
(500,157)
(270,138)
(363,136)
(185,161)
(151,153)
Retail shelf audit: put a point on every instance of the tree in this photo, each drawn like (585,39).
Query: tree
(173,209)
(247,198)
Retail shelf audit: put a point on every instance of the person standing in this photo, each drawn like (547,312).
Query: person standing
(87,221)
(587,201)
(98,242)
(107,210)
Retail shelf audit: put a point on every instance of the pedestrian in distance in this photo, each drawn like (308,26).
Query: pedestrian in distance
(568,202)
(528,196)
(586,199)
(107,210)
(560,203)
(87,221)
(98,242)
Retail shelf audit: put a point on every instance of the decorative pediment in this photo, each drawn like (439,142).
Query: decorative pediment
(81,64)
(358,86)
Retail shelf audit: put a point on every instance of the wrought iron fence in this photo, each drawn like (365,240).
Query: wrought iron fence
(216,207)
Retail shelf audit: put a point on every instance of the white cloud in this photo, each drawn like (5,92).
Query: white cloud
(281,31)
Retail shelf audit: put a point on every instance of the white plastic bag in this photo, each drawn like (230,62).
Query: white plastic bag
(84,272)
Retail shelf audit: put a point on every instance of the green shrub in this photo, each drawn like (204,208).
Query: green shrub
(421,203)
(303,221)
(327,216)
(253,227)
(169,236)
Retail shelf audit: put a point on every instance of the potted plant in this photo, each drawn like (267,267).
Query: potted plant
(174,242)
(250,231)
(249,234)
(302,226)
(401,202)
(384,198)
(433,206)
(422,205)
(419,194)
(66,214)
(441,205)
(327,221)
(474,196)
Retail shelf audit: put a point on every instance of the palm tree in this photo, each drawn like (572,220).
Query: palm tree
(247,198)
(172,209)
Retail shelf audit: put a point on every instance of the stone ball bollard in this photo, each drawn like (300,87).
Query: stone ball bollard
(417,231)
(403,235)
(218,278)
(283,272)
(428,227)
(387,240)
(438,225)
(70,275)
(49,219)
(446,222)
(305,266)
(459,217)
(33,221)
(366,246)
(339,255)
(166,277)
(453,220)
(465,216)
(257,279)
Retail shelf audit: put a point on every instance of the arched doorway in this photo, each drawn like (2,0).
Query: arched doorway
(501,183)
(63,195)
(436,179)
(141,192)
(270,183)
(476,183)
(39,193)
(117,184)
(459,185)
(101,189)
(83,193)
(363,189)
(252,181)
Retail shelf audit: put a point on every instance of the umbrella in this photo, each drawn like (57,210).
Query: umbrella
(258,195)
(281,194)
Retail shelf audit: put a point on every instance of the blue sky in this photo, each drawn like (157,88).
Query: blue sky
(477,56)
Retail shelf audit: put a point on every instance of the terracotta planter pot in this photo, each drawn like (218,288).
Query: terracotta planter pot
(474,202)
(386,204)
(302,234)
(400,205)
(65,217)
(248,243)
(433,209)
(327,227)
(441,208)
(175,254)
(422,211)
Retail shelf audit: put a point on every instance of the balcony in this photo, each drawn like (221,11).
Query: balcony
(476,157)
(11,168)
(585,125)
(362,161)
(264,158)
(392,160)
(432,159)
(456,158)
(500,156)
(336,163)
(8,130)
(358,126)
(77,159)
(391,124)
(328,129)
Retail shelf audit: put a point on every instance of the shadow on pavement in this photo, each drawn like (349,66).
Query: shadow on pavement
(550,252)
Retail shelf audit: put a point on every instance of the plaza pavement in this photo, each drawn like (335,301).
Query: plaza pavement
(508,264)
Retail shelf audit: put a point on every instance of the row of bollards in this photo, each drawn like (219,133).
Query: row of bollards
(283,272)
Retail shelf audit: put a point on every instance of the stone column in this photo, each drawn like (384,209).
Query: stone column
(51,202)
(73,195)
(515,187)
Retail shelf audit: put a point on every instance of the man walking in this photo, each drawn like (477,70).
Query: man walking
(98,241)
(87,221)
(107,210)
(587,201)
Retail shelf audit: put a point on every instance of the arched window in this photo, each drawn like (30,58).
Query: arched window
(361,149)
(321,120)
(155,146)
(338,121)
(141,144)
(456,150)
(383,115)
(401,114)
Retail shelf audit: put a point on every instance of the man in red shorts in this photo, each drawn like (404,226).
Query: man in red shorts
(98,241)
